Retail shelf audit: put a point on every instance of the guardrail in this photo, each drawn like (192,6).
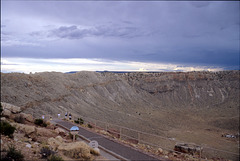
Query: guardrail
(100,147)
(157,141)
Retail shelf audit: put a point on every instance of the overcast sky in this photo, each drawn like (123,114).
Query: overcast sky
(123,35)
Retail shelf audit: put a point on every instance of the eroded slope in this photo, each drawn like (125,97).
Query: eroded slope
(196,107)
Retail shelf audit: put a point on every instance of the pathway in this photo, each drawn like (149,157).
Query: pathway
(122,150)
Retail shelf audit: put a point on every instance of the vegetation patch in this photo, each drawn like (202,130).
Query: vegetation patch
(90,126)
(79,121)
(46,152)
(40,122)
(7,129)
(54,158)
(13,154)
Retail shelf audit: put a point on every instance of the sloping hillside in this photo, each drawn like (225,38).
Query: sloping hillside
(195,107)
(86,93)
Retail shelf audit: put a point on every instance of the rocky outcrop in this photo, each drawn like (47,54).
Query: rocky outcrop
(32,131)
(31,142)
(55,142)
(189,89)
(9,110)
(13,112)
(27,117)
(6,113)
(44,132)
(14,109)
(27,129)
(76,150)
(60,131)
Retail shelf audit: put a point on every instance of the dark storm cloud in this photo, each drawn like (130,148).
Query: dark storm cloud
(73,32)
(171,32)
(199,4)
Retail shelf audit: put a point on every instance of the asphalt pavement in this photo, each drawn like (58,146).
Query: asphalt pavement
(119,149)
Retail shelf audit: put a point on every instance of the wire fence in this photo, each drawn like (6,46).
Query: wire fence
(138,137)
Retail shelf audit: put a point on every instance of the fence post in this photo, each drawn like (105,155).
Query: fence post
(138,137)
(106,127)
(120,133)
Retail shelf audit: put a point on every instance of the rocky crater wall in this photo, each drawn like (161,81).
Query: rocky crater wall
(190,89)
(145,101)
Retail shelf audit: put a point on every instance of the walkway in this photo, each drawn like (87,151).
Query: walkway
(122,150)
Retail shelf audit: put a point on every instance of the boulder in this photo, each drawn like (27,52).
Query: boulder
(76,150)
(95,151)
(10,107)
(27,117)
(3,119)
(27,129)
(160,150)
(60,131)
(44,132)
(6,113)
(54,143)
(59,138)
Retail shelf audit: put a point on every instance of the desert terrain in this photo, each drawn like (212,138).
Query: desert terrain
(192,107)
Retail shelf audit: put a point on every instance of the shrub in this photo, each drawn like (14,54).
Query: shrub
(46,152)
(76,121)
(54,158)
(19,119)
(13,154)
(90,126)
(81,121)
(40,122)
(44,124)
(7,129)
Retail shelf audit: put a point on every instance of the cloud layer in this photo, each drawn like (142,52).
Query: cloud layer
(188,33)
(27,65)
(75,32)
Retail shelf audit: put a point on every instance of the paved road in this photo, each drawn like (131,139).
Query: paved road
(117,148)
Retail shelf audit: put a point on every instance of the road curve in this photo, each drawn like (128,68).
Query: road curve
(122,150)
